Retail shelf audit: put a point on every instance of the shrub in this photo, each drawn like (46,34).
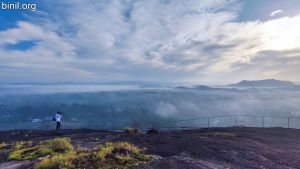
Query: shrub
(152,131)
(59,145)
(131,130)
(121,155)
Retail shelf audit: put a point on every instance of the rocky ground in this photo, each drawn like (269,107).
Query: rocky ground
(203,148)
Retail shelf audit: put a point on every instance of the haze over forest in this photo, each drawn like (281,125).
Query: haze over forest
(118,106)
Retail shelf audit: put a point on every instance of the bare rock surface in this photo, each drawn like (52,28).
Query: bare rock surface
(203,148)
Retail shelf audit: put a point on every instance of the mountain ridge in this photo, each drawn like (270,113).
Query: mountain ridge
(264,83)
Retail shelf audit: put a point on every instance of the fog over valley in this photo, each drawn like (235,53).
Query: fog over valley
(118,106)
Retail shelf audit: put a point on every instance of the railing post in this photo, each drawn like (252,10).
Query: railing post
(236,121)
(263,122)
(288,122)
(208,122)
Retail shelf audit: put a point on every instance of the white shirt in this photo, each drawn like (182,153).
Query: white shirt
(57,117)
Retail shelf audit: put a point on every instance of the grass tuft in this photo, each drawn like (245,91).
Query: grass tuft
(27,153)
(3,145)
(72,160)
(50,147)
(61,154)
(5,148)
(59,145)
(131,130)
(58,161)
(22,144)
(121,155)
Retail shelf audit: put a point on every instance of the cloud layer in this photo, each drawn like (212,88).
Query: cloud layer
(151,41)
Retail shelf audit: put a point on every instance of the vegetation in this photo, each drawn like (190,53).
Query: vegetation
(121,155)
(59,145)
(28,153)
(4,147)
(58,161)
(50,147)
(109,156)
(21,144)
(60,153)
(85,159)
(131,130)
(152,131)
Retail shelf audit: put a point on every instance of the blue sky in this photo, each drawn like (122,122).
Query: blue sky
(207,41)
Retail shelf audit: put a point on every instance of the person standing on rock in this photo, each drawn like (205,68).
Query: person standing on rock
(58,117)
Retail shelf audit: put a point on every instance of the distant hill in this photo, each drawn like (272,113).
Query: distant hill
(197,87)
(204,88)
(264,83)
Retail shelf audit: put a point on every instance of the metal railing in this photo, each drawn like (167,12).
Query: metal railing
(243,120)
(201,122)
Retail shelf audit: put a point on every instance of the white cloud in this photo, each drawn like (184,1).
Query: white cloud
(276,12)
(149,40)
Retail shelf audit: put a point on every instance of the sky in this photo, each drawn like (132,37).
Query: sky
(203,41)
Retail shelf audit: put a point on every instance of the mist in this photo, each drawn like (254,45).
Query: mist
(116,108)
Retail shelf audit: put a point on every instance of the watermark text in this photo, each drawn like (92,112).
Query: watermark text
(18,6)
